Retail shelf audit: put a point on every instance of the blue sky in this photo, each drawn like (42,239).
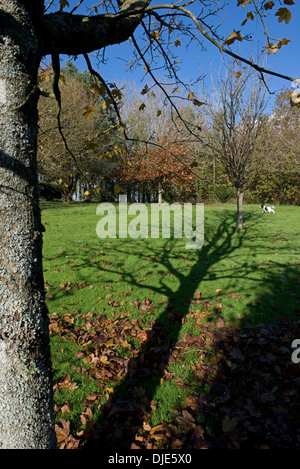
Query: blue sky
(194,60)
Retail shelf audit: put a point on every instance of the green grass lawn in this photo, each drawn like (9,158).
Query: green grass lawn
(107,296)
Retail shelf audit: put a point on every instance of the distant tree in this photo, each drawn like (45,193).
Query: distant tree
(90,135)
(277,155)
(284,126)
(157,169)
(162,156)
(236,118)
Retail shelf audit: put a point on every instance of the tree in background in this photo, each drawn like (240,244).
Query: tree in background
(158,169)
(284,126)
(161,154)
(277,156)
(78,161)
(236,119)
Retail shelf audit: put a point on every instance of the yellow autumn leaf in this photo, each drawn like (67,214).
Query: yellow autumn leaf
(104,360)
(88,111)
(235,36)
(272,48)
(120,149)
(249,16)
(62,78)
(109,343)
(156,429)
(87,193)
(155,34)
(126,344)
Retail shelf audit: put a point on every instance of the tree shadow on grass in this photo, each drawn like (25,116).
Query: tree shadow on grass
(225,397)
(254,399)
(230,400)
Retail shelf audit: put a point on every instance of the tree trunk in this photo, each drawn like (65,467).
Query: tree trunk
(160,193)
(26,402)
(240,195)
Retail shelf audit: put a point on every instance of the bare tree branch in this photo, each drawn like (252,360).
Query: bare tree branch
(216,43)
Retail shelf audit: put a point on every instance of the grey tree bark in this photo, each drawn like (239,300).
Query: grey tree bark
(160,193)
(26,405)
(240,219)
(26,401)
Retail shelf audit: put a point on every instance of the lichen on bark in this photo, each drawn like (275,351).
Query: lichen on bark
(26,405)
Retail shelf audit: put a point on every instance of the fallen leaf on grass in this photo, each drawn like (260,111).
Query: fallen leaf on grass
(67,384)
(237,354)
(62,433)
(100,338)
(156,429)
(103,359)
(64,439)
(65,409)
(228,424)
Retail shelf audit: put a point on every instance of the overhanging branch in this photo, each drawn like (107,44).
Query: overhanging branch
(66,33)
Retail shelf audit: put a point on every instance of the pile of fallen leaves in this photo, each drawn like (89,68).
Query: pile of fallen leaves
(244,392)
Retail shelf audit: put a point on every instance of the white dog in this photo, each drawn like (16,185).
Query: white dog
(268,209)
